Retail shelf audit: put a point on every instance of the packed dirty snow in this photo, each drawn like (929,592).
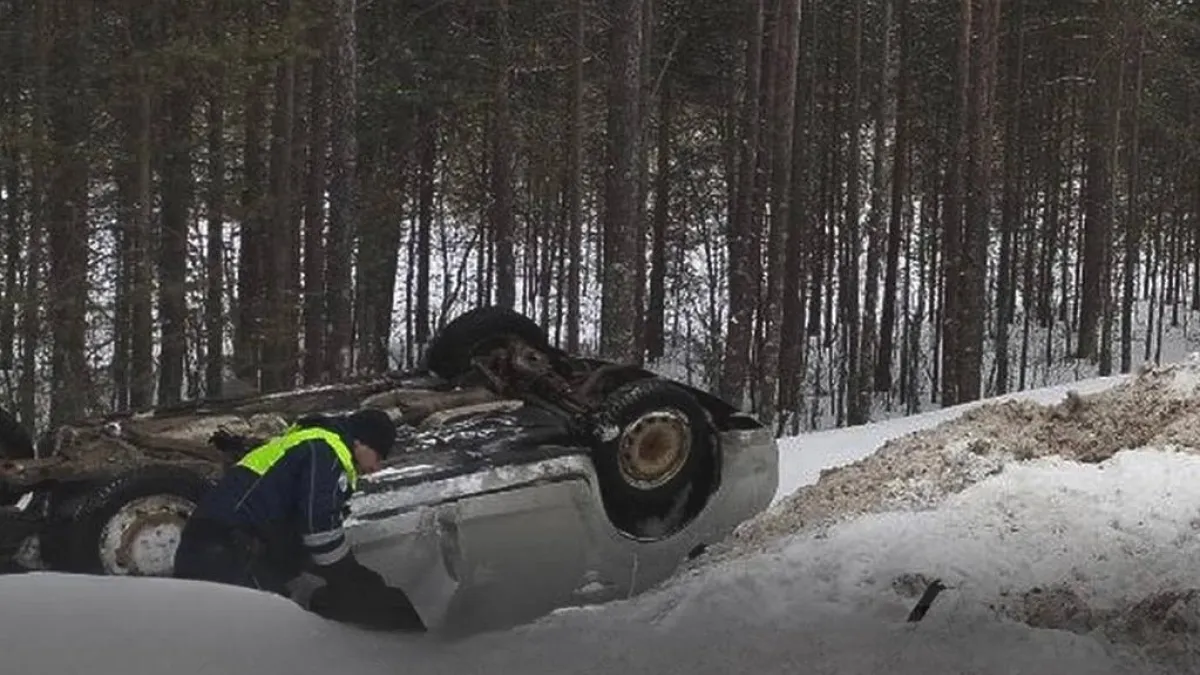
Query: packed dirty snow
(1067,535)
(918,470)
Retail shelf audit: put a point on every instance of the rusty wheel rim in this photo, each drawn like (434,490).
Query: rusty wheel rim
(140,539)
(654,448)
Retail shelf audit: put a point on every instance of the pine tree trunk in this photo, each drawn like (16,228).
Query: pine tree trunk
(784,55)
(1013,198)
(953,244)
(900,188)
(502,169)
(314,209)
(342,192)
(11,230)
(743,241)
(12,255)
(67,213)
(1097,202)
(656,307)
(278,314)
(427,127)
(214,299)
(253,222)
(176,193)
(1133,227)
(574,183)
(848,295)
(618,311)
(876,236)
(31,302)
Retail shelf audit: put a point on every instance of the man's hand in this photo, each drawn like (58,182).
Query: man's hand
(385,608)
(349,572)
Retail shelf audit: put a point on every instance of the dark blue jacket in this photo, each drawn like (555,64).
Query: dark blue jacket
(296,507)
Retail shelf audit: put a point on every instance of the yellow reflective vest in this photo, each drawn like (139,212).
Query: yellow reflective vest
(261,459)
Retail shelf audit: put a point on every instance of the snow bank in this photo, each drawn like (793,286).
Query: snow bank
(833,601)
(918,470)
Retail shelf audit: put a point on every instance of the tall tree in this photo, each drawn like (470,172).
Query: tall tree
(278,313)
(247,344)
(953,245)
(743,272)
(785,44)
(501,213)
(574,182)
(850,284)
(67,212)
(973,296)
(214,297)
(618,312)
(899,197)
(342,190)
(314,201)
(177,193)
(1103,110)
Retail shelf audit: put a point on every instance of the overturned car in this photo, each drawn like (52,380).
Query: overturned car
(526,479)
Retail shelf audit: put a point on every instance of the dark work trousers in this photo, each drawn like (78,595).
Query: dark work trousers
(213,551)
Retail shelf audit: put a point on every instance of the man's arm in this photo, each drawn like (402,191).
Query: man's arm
(321,501)
(324,491)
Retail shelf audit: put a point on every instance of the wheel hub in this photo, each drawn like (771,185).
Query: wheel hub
(654,449)
(141,538)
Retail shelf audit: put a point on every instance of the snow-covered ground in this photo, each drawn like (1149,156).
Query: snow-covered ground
(1068,535)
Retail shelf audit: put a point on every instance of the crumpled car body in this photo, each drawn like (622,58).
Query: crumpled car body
(525,479)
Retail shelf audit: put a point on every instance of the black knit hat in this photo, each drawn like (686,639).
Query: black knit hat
(374,428)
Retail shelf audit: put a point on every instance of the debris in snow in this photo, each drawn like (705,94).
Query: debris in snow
(926,601)
(1163,626)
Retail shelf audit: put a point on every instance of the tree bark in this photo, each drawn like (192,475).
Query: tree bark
(279,314)
(618,312)
(657,302)
(973,298)
(784,54)
(342,191)
(876,236)
(742,238)
(12,257)
(176,194)
(574,186)
(1097,204)
(427,148)
(501,173)
(850,313)
(314,208)
(953,249)
(67,213)
(1133,225)
(1013,197)
(899,197)
(214,298)
(252,253)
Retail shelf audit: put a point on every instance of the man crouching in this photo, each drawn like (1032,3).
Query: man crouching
(278,513)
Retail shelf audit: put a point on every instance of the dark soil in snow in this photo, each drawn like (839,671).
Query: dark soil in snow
(917,471)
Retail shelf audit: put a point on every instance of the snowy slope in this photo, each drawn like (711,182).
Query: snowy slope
(1071,547)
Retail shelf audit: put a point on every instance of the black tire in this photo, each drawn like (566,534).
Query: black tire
(15,441)
(450,352)
(94,508)
(632,500)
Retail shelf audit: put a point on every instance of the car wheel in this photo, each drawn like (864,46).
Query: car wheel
(654,446)
(450,352)
(15,441)
(130,525)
